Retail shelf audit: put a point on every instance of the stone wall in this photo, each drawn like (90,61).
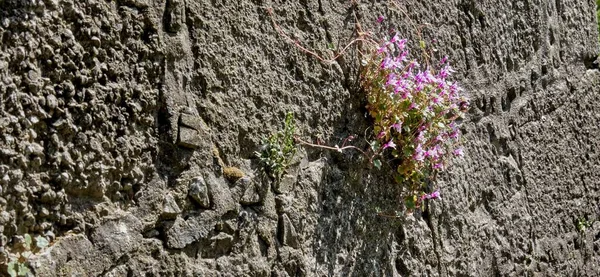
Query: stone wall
(121,121)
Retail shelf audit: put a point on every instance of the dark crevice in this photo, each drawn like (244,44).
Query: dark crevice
(427,217)
(591,62)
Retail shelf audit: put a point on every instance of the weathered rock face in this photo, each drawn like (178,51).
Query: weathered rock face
(117,119)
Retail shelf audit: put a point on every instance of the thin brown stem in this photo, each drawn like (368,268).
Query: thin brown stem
(336,148)
(362,37)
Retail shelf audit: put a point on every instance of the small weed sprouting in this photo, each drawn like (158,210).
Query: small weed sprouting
(278,150)
(17,266)
(598,16)
(583,224)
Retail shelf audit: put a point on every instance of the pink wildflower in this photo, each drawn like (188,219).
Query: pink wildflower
(389,144)
(397,126)
(421,136)
(402,57)
(387,63)
(454,134)
(443,60)
(433,195)
(391,79)
(383,48)
(400,44)
(380,19)
(458,152)
(445,72)
(418,156)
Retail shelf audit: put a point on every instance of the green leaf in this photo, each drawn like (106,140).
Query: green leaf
(26,254)
(41,242)
(23,269)
(377,164)
(11,269)
(410,202)
(375,145)
(422,44)
(28,241)
(399,179)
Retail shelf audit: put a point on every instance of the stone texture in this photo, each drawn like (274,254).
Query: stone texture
(184,232)
(251,193)
(109,110)
(287,233)
(170,207)
(189,137)
(199,191)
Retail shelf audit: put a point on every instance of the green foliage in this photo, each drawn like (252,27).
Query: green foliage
(598,16)
(17,266)
(278,150)
(583,224)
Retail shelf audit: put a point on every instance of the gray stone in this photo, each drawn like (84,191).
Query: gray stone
(222,243)
(189,138)
(118,236)
(73,254)
(286,184)
(286,232)
(222,199)
(199,191)
(183,232)
(191,121)
(251,193)
(51,102)
(170,207)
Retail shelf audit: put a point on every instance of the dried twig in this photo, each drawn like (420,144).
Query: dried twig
(362,37)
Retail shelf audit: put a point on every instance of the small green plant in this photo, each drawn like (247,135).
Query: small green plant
(598,17)
(18,264)
(278,150)
(583,224)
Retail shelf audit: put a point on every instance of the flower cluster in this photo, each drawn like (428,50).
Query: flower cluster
(415,108)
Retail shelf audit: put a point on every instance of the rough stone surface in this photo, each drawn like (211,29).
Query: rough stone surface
(170,207)
(109,110)
(250,192)
(199,192)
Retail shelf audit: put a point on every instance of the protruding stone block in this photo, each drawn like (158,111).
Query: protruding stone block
(198,191)
(189,138)
(191,121)
(192,132)
(170,207)
(287,232)
(251,194)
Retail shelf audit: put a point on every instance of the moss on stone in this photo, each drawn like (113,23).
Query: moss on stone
(233,173)
(217,157)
